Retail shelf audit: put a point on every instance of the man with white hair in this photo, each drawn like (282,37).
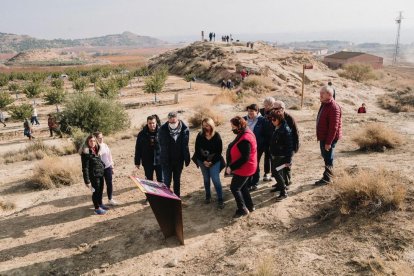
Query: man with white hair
(279,107)
(265,112)
(328,130)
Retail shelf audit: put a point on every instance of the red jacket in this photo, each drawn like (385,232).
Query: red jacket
(249,168)
(329,122)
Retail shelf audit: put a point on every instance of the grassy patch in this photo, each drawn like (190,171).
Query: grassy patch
(370,191)
(204,112)
(54,172)
(401,101)
(377,137)
(7,205)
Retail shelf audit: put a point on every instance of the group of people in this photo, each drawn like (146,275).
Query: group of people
(227,84)
(268,132)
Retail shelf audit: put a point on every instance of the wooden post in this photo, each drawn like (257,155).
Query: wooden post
(303,86)
(176,98)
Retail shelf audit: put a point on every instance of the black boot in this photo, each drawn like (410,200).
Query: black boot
(283,195)
(327,176)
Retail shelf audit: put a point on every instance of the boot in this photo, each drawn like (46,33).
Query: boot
(283,195)
(327,176)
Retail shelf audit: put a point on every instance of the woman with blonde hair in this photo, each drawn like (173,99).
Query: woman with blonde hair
(207,156)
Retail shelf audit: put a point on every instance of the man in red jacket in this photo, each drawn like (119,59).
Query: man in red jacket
(328,131)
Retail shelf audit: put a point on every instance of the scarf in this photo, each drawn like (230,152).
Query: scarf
(174,133)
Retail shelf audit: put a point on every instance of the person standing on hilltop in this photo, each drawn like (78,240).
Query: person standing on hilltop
(279,107)
(174,138)
(328,131)
(242,165)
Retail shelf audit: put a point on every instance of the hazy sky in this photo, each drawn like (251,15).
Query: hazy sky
(327,19)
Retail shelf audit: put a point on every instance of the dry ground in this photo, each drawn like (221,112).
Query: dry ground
(55,232)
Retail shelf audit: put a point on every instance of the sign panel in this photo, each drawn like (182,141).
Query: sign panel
(165,205)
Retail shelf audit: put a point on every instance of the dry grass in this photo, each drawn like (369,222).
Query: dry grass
(204,112)
(370,191)
(226,97)
(7,205)
(377,137)
(266,267)
(54,172)
(37,150)
(357,72)
(258,84)
(401,101)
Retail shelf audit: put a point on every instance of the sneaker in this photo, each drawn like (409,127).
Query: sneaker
(100,211)
(251,209)
(253,188)
(220,205)
(113,202)
(267,178)
(321,182)
(207,200)
(102,206)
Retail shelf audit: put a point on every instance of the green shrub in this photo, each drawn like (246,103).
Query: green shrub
(80,84)
(57,83)
(121,81)
(4,80)
(108,89)
(13,87)
(357,72)
(20,112)
(78,137)
(55,96)
(5,99)
(91,113)
(38,77)
(32,90)
(155,83)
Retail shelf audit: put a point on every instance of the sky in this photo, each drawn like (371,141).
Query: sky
(292,20)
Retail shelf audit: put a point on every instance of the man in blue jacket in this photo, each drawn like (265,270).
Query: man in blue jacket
(257,124)
(173,137)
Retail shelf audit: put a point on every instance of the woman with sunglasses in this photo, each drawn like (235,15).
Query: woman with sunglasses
(242,164)
(93,172)
(281,148)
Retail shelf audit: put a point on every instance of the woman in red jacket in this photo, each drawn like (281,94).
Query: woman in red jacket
(242,164)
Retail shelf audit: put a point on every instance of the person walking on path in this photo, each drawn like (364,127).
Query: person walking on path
(328,131)
(2,119)
(279,107)
(33,119)
(93,169)
(148,150)
(265,112)
(28,131)
(281,150)
(257,124)
(207,156)
(174,138)
(53,125)
(242,164)
(106,157)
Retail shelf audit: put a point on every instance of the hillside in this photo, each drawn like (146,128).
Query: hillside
(19,43)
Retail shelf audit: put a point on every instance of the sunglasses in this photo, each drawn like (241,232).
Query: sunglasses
(274,119)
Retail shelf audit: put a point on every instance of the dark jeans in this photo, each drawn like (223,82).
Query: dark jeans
(241,192)
(328,156)
(279,175)
(108,181)
(56,130)
(97,184)
(173,171)
(267,161)
(212,173)
(34,120)
(256,177)
(149,172)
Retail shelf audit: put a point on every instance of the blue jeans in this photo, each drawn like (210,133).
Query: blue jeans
(212,173)
(328,156)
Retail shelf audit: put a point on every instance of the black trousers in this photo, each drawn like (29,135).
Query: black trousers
(173,171)
(267,160)
(279,175)
(149,172)
(256,177)
(108,181)
(240,191)
(98,185)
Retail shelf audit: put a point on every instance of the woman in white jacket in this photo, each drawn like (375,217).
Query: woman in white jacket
(106,157)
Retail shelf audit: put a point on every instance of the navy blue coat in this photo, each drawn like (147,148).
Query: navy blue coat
(174,152)
(261,132)
(144,152)
(281,143)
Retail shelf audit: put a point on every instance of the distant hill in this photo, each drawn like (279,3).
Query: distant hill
(10,43)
